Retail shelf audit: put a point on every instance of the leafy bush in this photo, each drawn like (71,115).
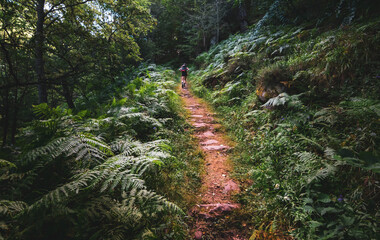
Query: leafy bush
(78,177)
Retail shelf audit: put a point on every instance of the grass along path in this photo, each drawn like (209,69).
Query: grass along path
(211,215)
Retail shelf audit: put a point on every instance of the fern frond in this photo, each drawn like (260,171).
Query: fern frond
(105,177)
(125,179)
(326,115)
(305,157)
(83,147)
(310,141)
(123,146)
(142,118)
(6,164)
(322,173)
(277,101)
(100,207)
(152,203)
(330,153)
(52,149)
(11,208)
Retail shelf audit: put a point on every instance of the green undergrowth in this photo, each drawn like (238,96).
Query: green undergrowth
(304,108)
(125,171)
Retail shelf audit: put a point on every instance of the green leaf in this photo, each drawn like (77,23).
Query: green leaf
(315,224)
(308,201)
(346,220)
(376,109)
(329,210)
(324,198)
(158,163)
(309,209)
(369,158)
(5,163)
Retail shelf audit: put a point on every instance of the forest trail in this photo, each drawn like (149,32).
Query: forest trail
(211,215)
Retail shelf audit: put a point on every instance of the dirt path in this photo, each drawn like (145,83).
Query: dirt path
(211,215)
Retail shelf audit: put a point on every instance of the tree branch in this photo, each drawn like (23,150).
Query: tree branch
(27,5)
(66,6)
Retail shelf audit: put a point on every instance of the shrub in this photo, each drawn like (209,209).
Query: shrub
(272,80)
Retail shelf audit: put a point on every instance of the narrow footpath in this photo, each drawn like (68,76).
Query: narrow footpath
(211,215)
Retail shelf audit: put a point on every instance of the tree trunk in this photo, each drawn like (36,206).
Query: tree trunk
(242,17)
(204,41)
(14,118)
(217,21)
(39,52)
(5,116)
(67,94)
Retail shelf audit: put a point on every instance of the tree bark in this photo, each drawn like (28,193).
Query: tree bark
(204,41)
(39,52)
(242,17)
(217,21)
(14,119)
(5,117)
(68,94)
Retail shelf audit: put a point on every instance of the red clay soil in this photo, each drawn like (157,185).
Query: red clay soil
(211,215)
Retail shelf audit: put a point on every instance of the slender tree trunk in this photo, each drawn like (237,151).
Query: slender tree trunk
(14,118)
(68,94)
(204,40)
(217,21)
(243,17)
(39,52)
(5,116)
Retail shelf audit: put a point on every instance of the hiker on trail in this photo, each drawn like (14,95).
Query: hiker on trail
(184,70)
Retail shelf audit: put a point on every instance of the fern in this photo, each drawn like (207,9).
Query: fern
(364,160)
(137,203)
(327,116)
(284,99)
(124,172)
(83,147)
(100,175)
(310,141)
(280,100)
(275,11)
(321,174)
(6,164)
(11,208)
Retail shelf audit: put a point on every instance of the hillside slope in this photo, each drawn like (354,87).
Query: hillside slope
(303,104)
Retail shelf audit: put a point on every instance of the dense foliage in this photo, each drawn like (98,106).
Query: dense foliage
(94,143)
(303,104)
(58,51)
(96,176)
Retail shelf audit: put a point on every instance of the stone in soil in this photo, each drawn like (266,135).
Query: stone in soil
(206,134)
(218,209)
(209,142)
(206,216)
(231,186)
(199,125)
(196,116)
(198,235)
(203,120)
(214,147)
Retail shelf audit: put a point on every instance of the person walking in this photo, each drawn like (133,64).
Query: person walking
(184,71)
